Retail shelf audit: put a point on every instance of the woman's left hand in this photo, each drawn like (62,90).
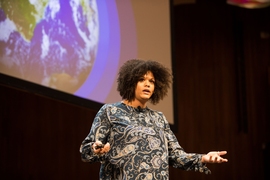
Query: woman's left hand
(214,157)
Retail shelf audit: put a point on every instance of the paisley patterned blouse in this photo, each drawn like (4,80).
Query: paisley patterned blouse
(142,145)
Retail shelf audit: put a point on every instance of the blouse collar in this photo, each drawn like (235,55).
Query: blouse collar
(137,109)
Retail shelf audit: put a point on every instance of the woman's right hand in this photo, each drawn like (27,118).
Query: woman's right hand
(99,148)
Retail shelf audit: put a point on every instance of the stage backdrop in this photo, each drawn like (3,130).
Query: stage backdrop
(77,46)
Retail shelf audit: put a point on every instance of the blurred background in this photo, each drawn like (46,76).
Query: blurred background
(221,65)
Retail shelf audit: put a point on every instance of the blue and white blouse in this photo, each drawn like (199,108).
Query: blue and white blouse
(142,145)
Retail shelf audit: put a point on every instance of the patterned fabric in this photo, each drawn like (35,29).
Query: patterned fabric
(142,145)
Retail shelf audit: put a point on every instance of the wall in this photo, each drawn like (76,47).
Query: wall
(40,137)
(221,65)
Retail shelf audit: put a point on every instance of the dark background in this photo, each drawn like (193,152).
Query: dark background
(222,79)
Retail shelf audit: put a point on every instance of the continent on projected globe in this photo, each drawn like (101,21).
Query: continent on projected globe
(50,42)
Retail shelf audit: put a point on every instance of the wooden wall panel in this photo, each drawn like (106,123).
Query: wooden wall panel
(257,58)
(40,137)
(207,83)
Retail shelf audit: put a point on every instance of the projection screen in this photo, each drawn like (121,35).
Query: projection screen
(77,46)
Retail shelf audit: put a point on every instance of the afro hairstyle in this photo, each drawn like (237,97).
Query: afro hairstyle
(132,70)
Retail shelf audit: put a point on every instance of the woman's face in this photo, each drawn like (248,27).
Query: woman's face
(145,87)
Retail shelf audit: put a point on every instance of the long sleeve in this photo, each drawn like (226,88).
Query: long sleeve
(178,158)
(99,132)
(142,145)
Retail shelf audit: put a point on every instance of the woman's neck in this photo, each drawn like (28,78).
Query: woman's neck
(135,103)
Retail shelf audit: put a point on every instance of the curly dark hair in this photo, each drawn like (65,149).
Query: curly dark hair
(132,70)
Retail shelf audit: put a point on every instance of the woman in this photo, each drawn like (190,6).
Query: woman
(132,141)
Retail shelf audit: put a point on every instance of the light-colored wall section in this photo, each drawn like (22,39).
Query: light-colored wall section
(154,41)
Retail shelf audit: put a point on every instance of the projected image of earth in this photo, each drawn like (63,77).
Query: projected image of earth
(50,42)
